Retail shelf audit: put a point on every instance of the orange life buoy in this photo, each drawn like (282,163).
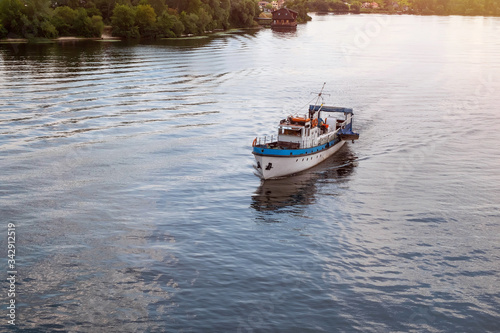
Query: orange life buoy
(300,120)
(315,122)
(254,143)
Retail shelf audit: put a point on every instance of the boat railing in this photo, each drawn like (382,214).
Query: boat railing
(308,143)
(261,141)
(304,143)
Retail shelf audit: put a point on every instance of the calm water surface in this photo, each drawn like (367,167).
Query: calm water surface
(127,170)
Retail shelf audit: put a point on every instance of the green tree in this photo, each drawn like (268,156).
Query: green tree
(218,11)
(192,6)
(190,22)
(204,20)
(320,6)
(93,11)
(76,22)
(339,7)
(97,25)
(356,7)
(12,13)
(145,18)
(36,23)
(159,6)
(48,30)
(106,8)
(300,6)
(3,31)
(474,7)
(83,24)
(243,12)
(224,13)
(123,21)
(63,19)
(169,25)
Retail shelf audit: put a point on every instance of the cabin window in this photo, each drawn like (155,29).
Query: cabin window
(291,132)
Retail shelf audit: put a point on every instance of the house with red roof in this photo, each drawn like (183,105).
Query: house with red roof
(284,18)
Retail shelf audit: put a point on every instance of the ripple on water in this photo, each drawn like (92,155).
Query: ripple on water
(127,171)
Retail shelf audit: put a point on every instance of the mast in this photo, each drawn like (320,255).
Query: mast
(320,95)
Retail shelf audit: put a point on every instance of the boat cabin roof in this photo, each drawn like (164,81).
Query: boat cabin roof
(325,108)
(291,127)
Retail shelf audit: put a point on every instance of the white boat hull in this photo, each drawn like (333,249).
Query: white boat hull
(280,166)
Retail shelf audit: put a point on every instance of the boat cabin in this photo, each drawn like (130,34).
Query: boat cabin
(290,136)
(312,130)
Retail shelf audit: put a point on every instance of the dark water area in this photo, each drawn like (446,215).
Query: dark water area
(127,171)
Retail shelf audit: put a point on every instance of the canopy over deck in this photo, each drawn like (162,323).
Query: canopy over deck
(325,108)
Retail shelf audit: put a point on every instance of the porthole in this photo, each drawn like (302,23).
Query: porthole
(296,160)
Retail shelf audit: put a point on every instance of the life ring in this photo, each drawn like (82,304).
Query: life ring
(254,143)
(315,122)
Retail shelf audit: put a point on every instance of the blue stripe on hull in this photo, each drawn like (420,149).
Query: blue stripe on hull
(292,152)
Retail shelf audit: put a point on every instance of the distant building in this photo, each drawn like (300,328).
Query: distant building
(284,18)
(263,4)
(369,5)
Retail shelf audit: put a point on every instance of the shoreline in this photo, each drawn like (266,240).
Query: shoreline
(56,40)
(108,38)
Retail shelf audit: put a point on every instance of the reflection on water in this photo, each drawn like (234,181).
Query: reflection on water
(300,190)
(127,170)
(284,33)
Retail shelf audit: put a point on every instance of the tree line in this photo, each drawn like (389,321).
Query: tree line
(336,6)
(456,7)
(419,7)
(128,18)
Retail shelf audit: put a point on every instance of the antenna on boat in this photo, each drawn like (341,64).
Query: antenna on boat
(320,94)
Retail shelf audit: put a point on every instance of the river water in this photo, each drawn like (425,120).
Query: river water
(127,172)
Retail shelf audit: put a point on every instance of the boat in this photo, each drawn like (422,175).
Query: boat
(304,141)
